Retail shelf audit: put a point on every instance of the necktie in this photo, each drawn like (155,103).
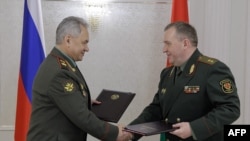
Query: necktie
(178,72)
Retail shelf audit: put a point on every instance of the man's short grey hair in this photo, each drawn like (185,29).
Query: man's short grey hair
(184,30)
(69,26)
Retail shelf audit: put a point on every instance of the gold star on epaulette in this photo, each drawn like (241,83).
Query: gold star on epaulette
(207,60)
(210,61)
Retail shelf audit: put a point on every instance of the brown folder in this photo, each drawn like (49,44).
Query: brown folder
(114,104)
(150,128)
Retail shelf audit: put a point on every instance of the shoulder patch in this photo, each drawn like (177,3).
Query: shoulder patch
(207,60)
(226,86)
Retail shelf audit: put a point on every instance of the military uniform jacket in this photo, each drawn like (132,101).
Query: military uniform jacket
(204,94)
(61,104)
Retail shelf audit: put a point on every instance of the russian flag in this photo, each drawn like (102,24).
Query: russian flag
(32,55)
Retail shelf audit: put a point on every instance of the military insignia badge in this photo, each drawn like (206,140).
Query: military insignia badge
(207,60)
(68,64)
(69,86)
(72,69)
(82,86)
(163,91)
(84,93)
(226,86)
(211,61)
(171,72)
(63,63)
(192,69)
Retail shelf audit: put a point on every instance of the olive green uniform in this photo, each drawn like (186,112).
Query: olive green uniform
(204,94)
(61,104)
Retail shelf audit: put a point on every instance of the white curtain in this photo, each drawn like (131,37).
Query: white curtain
(224,33)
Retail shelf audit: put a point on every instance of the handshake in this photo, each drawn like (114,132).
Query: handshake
(123,135)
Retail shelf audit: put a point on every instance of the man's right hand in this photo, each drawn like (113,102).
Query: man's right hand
(123,136)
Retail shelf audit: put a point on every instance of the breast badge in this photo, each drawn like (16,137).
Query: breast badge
(191,89)
(226,86)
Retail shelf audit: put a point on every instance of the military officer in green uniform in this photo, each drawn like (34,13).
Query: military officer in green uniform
(61,102)
(197,93)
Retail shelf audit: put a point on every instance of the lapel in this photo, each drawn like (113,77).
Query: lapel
(85,86)
(175,89)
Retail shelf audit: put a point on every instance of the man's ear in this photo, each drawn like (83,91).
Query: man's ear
(67,39)
(186,43)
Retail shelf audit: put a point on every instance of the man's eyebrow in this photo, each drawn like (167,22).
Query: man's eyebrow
(167,42)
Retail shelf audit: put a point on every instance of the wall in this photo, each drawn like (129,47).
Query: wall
(126,47)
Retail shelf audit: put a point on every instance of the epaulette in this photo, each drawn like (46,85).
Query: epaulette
(64,64)
(207,60)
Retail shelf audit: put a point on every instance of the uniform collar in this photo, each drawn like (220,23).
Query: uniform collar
(69,59)
(190,66)
(183,66)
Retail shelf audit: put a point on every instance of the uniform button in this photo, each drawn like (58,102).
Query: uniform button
(178,120)
(166,119)
(167,140)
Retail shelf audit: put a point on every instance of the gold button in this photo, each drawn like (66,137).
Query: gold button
(178,120)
